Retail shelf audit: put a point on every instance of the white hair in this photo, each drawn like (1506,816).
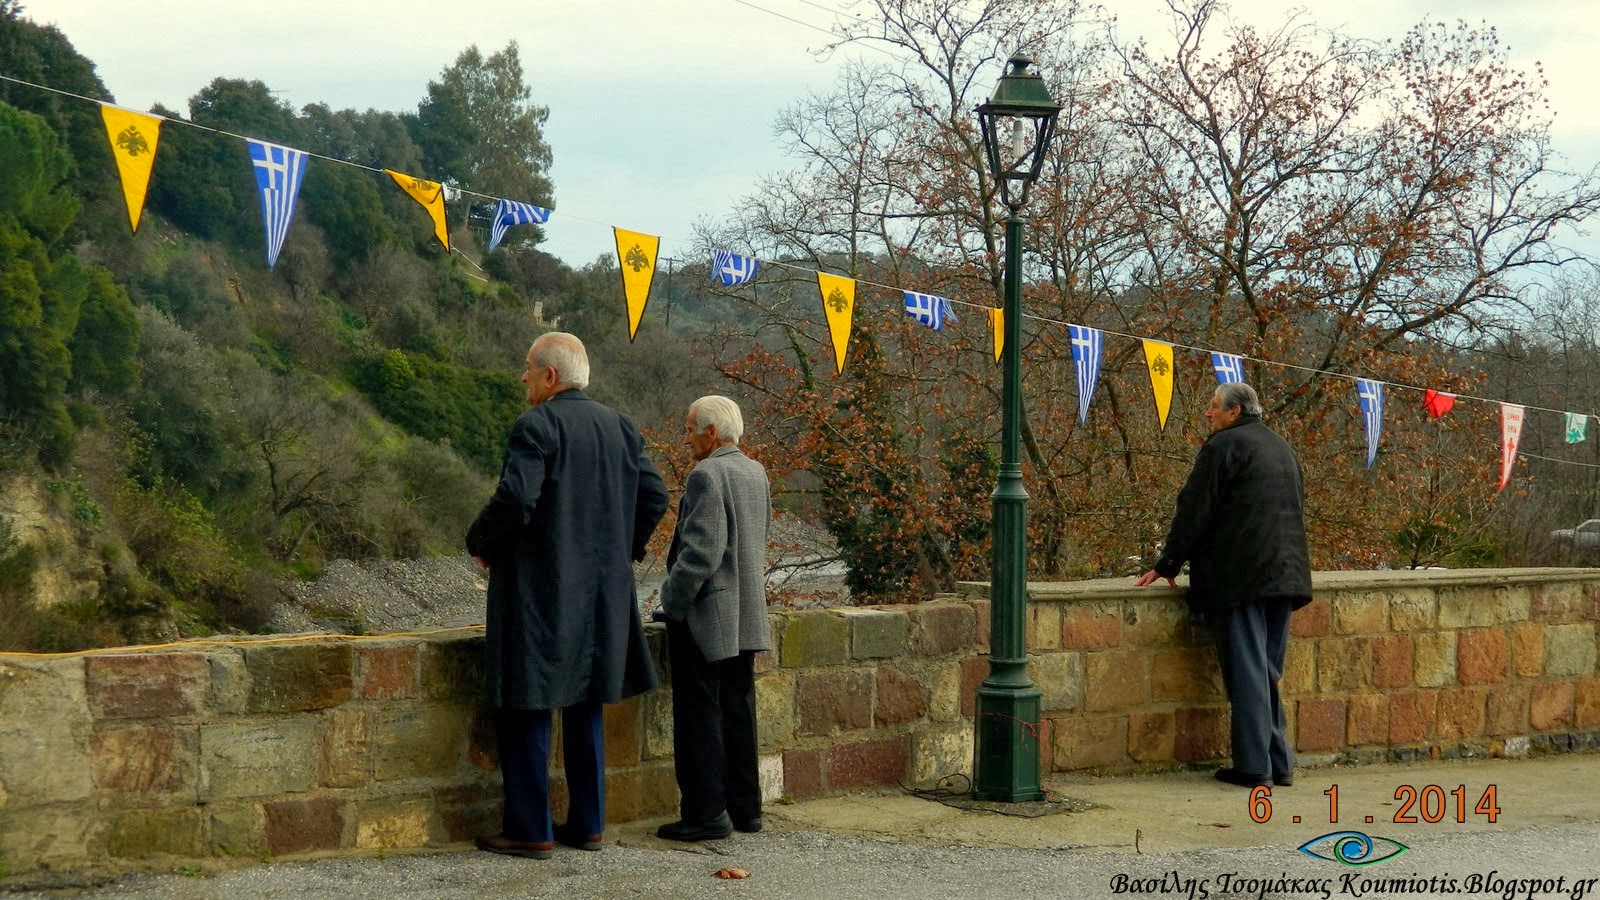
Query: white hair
(721,412)
(1239,394)
(564,353)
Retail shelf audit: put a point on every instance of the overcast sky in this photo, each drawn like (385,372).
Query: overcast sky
(660,110)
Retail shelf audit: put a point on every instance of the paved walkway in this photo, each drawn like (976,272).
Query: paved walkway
(1174,835)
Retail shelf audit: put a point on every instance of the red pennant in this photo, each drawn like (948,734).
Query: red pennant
(1437,403)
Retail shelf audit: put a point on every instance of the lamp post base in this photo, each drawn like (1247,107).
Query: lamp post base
(1007,737)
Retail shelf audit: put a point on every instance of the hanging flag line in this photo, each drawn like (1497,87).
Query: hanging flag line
(279,170)
(1569,462)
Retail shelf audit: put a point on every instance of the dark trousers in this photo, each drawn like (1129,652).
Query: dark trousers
(1251,642)
(713,731)
(524,741)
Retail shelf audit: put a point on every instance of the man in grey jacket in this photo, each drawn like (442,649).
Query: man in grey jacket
(716,608)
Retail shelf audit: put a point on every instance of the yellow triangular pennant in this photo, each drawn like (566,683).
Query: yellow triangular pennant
(1158,359)
(133,137)
(997,325)
(636,253)
(839,303)
(431,195)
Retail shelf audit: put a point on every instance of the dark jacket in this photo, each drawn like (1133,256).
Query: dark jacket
(1241,522)
(577,500)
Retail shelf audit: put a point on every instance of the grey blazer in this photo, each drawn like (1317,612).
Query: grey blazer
(717,567)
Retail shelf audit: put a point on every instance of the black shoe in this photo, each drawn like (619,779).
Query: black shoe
(748,826)
(710,830)
(1283,779)
(569,836)
(1243,779)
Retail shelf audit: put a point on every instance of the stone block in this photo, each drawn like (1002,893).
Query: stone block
(1392,661)
(1091,625)
(1059,677)
(1043,631)
(154,760)
(623,730)
(464,811)
(44,732)
(1310,621)
(655,640)
(1116,680)
(1586,703)
(418,741)
(1551,705)
(1527,649)
(150,832)
(56,836)
(1152,623)
(483,740)
(1560,603)
(828,702)
(815,638)
(452,669)
(871,763)
(1480,606)
(1411,716)
(1434,654)
(1090,742)
(939,751)
(1367,719)
(657,716)
(1320,724)
(1413,610)
(775,704)
(392,823)
(1152,737)
(900,698)
(876,633)
(974,669)
(1366,613)
(1569,650)
(1483,656)
(641,793)
(389,673)
(257,759)
(942,627)
(769,769)
(304,825)
(230,681)
(1506,712)
(1185,674)
(296,677)
(237,829)
(1200,733)
(763,662)
(944,689)
(1299,668)
(147,685)
(982,615)
(1344,664)
(1462,712)
(344,748)
(802,773)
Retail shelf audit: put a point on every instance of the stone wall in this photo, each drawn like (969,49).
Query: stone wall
(280,747)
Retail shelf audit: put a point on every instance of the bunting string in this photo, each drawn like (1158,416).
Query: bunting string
(280,168)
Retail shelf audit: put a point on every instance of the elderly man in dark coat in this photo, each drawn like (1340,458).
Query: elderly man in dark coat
(1240,525)
(577,500)
(715,601)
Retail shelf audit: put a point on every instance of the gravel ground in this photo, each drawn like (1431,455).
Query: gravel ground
(389,595)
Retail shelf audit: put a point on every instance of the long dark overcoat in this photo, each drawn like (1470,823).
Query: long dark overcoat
(1240,522)
(576,502)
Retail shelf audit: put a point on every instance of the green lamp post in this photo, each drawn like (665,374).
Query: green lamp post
(1017,124)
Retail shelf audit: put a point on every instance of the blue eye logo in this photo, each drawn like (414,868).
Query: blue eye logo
(1353,848)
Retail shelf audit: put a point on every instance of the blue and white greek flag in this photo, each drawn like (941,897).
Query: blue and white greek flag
(512,212)
(929,309)
(279,171)
(1086,344)
(731,269)
(1370,394)
(1229,368)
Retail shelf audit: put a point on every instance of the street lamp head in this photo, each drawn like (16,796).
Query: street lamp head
(1017,124)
